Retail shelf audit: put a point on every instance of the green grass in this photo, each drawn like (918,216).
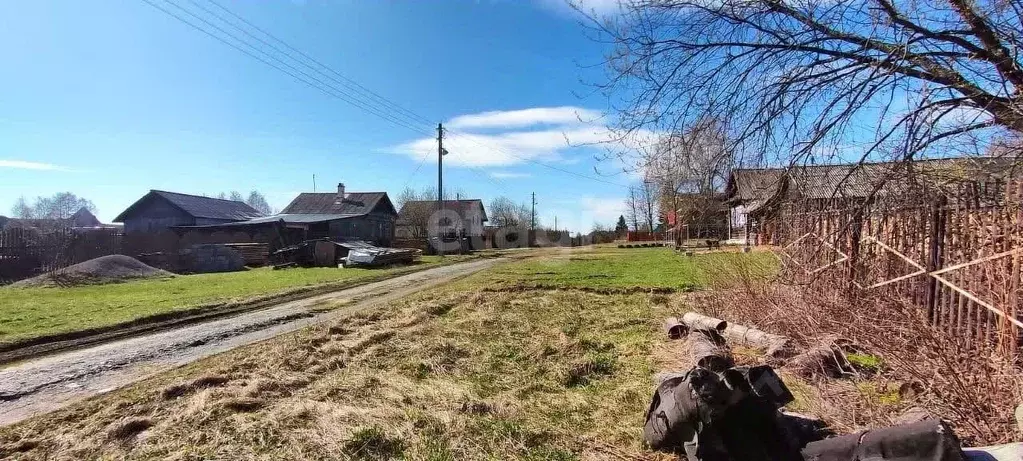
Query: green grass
(458,372)
(868,362)
(34,312)
(612,268)
(447,374)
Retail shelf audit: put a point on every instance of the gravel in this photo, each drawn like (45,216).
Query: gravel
(102,270)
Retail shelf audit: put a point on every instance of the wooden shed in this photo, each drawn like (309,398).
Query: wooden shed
(159,210)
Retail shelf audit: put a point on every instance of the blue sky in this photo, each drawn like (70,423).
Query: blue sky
(110,99)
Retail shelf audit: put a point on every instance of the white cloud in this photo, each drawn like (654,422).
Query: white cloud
(508,175)
(509,147)
(560,131)
(26,165)
(564,115)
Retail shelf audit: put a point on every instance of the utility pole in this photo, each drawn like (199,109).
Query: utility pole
(440,187)
(555,223)
(532,214)
(532,223)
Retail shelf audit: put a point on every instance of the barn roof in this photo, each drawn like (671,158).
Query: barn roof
(275,219)
(327,203)
(755,187)
(462,207)
(198,206)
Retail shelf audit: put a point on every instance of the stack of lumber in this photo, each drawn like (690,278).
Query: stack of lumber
(254,254)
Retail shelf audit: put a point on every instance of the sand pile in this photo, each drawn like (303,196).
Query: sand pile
(105,269)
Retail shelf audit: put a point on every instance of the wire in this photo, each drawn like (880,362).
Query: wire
(403,117)
(330,90)
(426,155)
(341,79)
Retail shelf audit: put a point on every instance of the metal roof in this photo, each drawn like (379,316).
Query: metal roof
(754,184)
(290,218)
(354,203)
(198,206)
(755,187)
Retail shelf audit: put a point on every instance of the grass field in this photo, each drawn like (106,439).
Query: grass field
(486,368)
(637,268)
(33,312)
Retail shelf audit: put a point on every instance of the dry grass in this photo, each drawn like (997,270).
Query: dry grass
(469,372)
(905,363)
(456,374)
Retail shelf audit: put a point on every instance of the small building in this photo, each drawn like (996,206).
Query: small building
(342,215)
(415,216)
(159,210)
(747,191)
(339,216)
(757,197)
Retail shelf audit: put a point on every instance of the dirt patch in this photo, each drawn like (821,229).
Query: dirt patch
(243,404)
(128,428)
(99,271)
(180,390)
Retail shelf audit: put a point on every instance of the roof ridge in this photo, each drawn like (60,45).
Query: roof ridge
(196,196)
(346,192)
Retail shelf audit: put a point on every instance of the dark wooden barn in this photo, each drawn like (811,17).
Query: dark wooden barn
(343,215)
(340,216)
(159,210)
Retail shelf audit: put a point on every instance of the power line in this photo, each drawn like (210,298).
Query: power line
(340,78)
(329,90)
(349,99)
(422,161)
(407,117)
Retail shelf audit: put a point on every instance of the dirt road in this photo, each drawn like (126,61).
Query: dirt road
(51,382)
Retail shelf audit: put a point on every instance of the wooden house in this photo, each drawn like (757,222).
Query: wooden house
(343,215)
(467,218)
(339,216)
(757,198)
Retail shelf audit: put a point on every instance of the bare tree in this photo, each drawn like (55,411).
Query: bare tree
(648,203)
(633,207)
(803,81)
(21,209)
(414,217)
(60,206)
(503,212)
(258,201)
(689,168)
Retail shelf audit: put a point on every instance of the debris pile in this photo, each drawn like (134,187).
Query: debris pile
(717,411)
(328,253)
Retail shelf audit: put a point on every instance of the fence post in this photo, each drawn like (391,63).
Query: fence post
(854,244)
(936,234)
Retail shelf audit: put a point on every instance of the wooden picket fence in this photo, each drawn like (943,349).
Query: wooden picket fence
(956,253)
(26,252)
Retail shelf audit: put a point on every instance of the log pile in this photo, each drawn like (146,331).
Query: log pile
(717,411)
(772,345)
(720,411)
